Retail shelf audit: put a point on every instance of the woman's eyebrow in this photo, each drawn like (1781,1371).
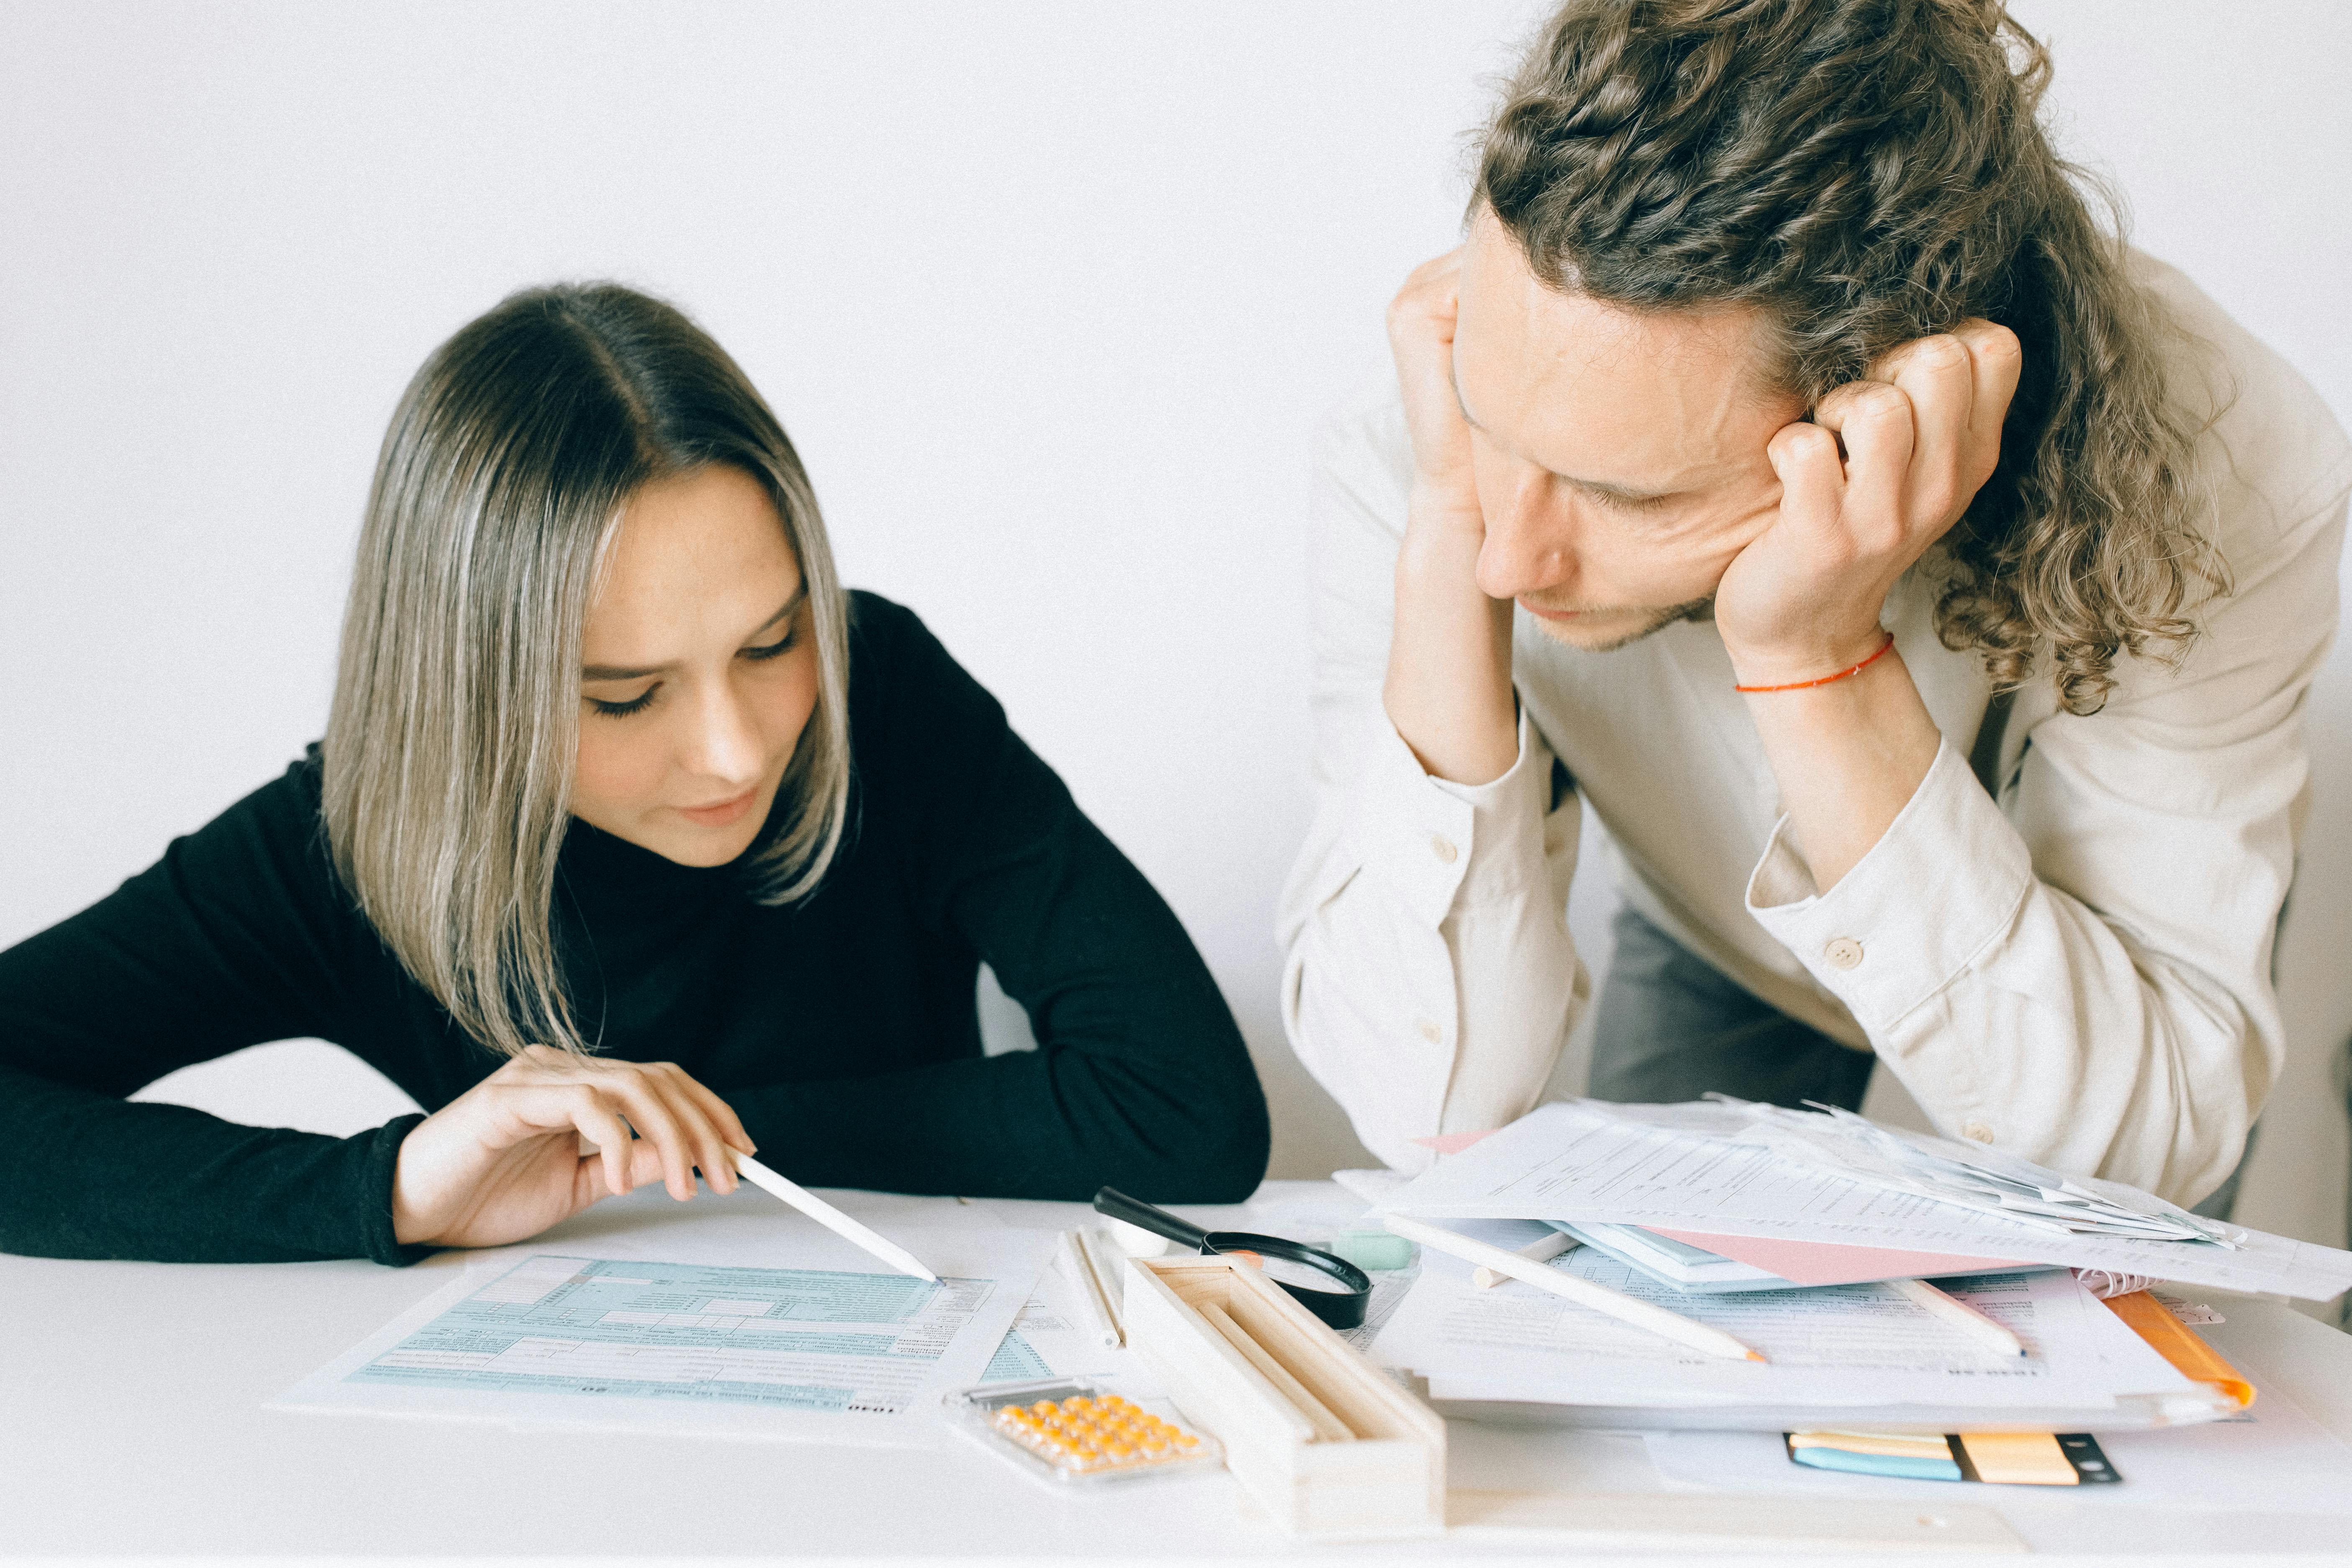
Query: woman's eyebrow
(791,607)
(617,672)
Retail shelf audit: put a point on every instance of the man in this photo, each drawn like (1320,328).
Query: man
(1921,588)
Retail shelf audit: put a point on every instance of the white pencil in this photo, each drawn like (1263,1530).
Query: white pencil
(1543,1249)
(1110,1273)
(832,1218)
(1993,1334)
(1081,1270)
(1583,1292)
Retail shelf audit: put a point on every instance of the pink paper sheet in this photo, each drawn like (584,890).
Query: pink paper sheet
(1452,1142)
(1833,1263)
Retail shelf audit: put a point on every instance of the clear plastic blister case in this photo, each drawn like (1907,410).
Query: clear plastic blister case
(1075,1431)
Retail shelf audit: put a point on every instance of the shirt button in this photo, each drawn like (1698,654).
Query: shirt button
(1431,1032)
(1843,953)
(1442,847)
(1976,1129)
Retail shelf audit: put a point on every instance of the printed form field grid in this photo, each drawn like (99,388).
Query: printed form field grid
(802,1338)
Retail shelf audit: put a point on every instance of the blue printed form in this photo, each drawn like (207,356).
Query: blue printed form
(797,1337)
(844,1355)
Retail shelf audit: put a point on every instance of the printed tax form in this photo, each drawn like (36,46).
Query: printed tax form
(813,1345)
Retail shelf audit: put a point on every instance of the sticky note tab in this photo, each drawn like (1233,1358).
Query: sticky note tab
(2020,1458)
(1821,1458)
(1874,1443)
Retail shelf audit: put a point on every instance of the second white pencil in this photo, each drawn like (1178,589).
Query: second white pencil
(1543,1249)
(1583,1292)
(1092,1297)
(1994,1336)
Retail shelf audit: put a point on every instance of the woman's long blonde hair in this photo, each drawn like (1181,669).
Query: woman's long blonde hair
(455,732)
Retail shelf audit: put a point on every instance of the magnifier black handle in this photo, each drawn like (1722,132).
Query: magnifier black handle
(1159,1222)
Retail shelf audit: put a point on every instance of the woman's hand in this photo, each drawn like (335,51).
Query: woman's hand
(504,1160)
(1449,678)
(1921,436)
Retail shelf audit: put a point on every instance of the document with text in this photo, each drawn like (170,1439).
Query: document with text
(1845,1346)
(837,1352)
(1582,1160)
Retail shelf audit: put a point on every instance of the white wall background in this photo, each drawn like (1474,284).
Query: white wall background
(1049,294)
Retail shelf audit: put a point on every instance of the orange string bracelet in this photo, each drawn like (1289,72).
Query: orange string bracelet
(1826,680)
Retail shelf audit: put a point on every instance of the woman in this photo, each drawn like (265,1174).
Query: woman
(628,819)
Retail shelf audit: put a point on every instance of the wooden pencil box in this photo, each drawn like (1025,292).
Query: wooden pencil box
(1313,1431)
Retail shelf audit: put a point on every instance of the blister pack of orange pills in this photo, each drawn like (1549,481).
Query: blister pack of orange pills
(1073,1429)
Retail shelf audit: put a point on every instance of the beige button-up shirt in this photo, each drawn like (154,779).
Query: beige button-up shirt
(2075,966)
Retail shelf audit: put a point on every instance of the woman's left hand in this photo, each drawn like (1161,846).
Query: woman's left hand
(1921,434)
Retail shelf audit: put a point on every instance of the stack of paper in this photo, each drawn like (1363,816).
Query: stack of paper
(1716,1169)
(1970,1174)
(1692,1260)
(1854,1355)
(1683,1265)
(1721,1211)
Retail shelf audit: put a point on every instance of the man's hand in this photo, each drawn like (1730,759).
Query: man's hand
(1921,436)
(505,1159)
(1421,340)
(1804,599)
(1449,681)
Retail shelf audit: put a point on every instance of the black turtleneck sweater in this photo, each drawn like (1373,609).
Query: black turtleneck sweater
(841,1029)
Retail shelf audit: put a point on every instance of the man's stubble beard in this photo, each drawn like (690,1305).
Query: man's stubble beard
(1695,610)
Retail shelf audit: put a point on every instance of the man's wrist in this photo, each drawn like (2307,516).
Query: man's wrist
(1843,672)
(1812,659)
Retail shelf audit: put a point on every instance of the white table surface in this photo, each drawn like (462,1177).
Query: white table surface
(131,1424)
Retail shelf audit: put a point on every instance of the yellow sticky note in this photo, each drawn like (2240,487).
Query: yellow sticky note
(2020,1458)
(1872,1442)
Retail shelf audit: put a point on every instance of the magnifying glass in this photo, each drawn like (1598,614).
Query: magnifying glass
(1331,1288)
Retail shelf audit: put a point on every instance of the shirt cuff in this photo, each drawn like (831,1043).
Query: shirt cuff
(1434,841)
(379,1165)
(1941,885)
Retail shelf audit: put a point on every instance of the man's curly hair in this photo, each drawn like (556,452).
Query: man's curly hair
(1864,172)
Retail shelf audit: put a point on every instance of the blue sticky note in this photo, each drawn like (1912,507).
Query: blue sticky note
(1877,1464)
